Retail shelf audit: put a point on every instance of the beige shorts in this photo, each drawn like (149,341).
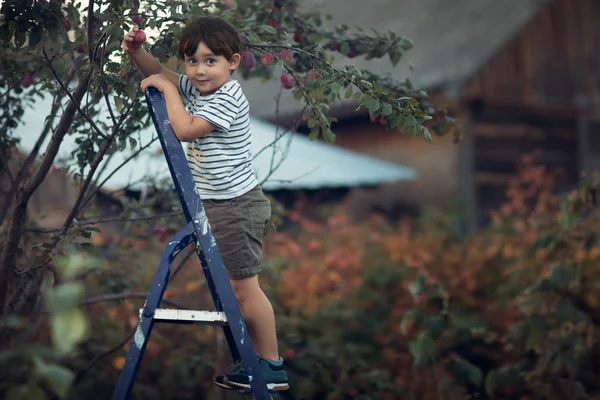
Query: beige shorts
(239,226)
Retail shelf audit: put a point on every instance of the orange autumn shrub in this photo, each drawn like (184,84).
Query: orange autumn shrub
(417,308)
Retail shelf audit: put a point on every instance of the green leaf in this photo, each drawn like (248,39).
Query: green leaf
(534,340)
(435,326)
(58,377)
(416,130)
(131,90)
(591,238)
(20,38)
(560,276)
(411,121)
(29,391)
(268,29)
(416,287)
(87,246)
(545,240)
(412,316)
(491,383)
(427,134)
(465,372)
(373,105)
(63,297)
(76,263)
(349,92)
(344,48)
(298,95)
(398,121)
(413,102)
(422,350)
(35,36)
(118,103)
(68,329)
(387,110)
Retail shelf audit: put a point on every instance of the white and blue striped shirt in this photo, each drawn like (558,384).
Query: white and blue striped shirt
(221,162)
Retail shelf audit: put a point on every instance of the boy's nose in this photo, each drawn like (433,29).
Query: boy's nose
(200,70)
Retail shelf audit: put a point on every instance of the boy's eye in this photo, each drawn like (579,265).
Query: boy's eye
(192,60)
(210,61)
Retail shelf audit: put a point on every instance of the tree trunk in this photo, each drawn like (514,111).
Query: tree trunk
(19,214)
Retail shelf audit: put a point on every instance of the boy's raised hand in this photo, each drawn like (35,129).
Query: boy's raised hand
(133,40)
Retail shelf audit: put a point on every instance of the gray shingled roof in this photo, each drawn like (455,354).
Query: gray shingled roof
(453,39)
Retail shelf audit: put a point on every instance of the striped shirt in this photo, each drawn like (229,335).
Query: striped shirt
(221,162)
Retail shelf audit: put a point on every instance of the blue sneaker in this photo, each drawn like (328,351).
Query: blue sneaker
(273,372)
(235,368)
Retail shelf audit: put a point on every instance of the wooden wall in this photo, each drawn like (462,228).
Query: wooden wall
(553,61)
(500,136)
(436,166)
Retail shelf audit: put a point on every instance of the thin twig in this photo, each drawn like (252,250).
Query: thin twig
(99,357)
(131,157)
(102,221)
(68,92)
(127,295)
(181,263)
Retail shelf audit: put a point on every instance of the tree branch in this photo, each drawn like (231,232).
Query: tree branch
(29,160)
(131,157)
(102,221)
(24,193)
(68,92)
(127,295)
(99,357)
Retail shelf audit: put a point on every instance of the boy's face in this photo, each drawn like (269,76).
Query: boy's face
(208,72)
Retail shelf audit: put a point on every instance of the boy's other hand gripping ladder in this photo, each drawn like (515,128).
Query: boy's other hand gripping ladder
(197,230)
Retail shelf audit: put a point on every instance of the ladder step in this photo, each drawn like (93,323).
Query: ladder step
(189,316)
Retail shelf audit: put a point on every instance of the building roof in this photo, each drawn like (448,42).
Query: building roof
(453,40)
(304,164)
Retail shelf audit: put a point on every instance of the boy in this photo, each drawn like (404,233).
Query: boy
(216,126)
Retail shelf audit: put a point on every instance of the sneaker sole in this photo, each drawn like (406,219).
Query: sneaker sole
(224,386)
(270,386)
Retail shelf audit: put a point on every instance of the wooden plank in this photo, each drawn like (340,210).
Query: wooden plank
(510,130)
(490,157)
(466,174)
(590,55)
(552,62)
(584,151)
(493,178)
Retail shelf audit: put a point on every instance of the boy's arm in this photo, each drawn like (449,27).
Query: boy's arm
(144,61)
(186,127)
(148,65)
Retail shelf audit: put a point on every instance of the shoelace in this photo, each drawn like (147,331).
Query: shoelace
(238,366)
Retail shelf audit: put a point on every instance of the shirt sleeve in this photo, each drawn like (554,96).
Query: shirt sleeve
(185,88)
(220,111)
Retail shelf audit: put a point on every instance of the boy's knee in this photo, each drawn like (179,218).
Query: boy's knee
(245,288)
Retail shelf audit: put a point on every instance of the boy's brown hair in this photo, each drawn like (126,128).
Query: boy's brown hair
(219,36)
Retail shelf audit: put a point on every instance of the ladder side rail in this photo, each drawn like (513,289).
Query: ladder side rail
(205,243)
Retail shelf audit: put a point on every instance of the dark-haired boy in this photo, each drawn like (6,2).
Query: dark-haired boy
(216,124)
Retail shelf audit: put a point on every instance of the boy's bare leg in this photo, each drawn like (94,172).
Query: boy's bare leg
(258,315)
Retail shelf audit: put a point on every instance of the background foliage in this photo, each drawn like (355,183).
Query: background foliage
(368,310)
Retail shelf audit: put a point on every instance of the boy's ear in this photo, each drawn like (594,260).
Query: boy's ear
(234,62)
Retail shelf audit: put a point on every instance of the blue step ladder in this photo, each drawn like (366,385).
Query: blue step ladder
(197,230)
